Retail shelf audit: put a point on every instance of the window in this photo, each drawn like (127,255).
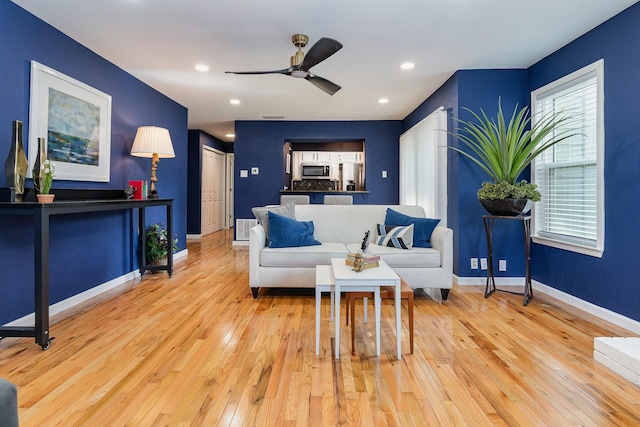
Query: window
(570,174)
(423,165)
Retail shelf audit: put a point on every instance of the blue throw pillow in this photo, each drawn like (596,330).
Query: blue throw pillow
(287,233)
(422,227)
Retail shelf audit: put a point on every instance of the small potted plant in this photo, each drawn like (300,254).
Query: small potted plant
(504,150)
(157,244)
(44,182)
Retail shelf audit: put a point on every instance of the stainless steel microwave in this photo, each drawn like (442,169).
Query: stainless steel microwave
(315,171)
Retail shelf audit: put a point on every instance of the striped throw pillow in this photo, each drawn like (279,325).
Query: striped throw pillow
(398,236)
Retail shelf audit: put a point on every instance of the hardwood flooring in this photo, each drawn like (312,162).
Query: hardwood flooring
(197,349)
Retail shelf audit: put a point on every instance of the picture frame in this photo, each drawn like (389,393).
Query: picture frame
(75,121)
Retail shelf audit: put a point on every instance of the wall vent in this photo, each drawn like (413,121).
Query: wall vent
(243,226)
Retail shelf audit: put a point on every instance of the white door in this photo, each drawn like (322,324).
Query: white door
(212,191)
(230,185)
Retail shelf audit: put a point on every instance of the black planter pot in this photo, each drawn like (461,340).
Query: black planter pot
(507,207)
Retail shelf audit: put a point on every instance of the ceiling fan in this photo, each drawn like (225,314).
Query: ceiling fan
(300,64)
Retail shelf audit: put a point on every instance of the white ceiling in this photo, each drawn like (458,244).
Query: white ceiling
(160,41)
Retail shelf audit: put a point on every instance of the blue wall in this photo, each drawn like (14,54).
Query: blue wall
(610,281)
(260,144)
(481,89)
(475,89)
(88,249)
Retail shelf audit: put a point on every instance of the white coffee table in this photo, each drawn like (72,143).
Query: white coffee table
(370,280)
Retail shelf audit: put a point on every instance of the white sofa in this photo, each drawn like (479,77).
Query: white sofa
(340,229)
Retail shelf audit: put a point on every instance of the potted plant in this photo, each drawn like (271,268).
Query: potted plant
(157,244)
(43,183)
(504,150)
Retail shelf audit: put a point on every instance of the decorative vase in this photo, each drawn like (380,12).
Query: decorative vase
(16,165)
(45,198)
(507,207)
(41,158)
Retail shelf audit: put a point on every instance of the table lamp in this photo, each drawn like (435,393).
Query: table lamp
(154,142)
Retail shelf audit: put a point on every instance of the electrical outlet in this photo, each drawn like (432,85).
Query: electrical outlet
(483,263)
(502,265)
(384,174)
(474,263)
(255,171)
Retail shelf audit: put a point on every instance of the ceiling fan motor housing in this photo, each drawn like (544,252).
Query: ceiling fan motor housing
(297,58)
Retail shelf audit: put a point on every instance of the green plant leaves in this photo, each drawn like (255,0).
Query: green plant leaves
(157,243)
(504,149)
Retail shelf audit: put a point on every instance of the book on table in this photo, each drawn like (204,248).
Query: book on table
(366,260)
(365,257)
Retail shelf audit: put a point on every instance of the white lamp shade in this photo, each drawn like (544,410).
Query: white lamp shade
(152,140)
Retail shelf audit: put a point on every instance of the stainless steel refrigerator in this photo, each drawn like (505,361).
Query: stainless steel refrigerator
(350,177)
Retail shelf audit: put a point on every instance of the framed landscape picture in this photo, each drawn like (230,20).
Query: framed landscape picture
(75,121)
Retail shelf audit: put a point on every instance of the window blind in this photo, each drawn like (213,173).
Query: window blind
(567,173)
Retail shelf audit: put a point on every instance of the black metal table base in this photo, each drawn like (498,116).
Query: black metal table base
(41,214)
(490,286)
(527,294)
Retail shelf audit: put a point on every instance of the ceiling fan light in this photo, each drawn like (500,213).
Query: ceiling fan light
(301,74)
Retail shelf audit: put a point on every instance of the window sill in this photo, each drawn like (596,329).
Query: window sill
(571,247)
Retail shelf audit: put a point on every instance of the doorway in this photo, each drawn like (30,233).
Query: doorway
(213,190)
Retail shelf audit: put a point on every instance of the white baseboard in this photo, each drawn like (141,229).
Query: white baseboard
(482,281)
(29,319)
(240,244)
(194,236)
(600,312)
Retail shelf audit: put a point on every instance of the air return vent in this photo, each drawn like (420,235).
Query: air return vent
(243,226)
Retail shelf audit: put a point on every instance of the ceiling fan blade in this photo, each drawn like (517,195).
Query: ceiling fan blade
(321,50)
(324,84)
(283,71)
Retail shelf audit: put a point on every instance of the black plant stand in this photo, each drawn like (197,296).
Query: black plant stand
(490,287)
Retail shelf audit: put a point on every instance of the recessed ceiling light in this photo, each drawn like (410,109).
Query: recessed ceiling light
(407,65)
(202,68)
(383,100)
(230,135)
(234,101)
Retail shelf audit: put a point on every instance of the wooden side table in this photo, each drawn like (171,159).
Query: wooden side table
(490,287)
(406,292)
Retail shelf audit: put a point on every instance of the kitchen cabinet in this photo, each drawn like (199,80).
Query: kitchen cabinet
(315,156)
(349,157)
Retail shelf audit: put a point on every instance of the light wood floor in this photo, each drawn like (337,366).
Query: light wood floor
(197,349)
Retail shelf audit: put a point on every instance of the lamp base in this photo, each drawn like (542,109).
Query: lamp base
(153,195)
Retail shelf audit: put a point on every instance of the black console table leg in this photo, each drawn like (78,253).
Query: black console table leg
(170,233)
(41,257)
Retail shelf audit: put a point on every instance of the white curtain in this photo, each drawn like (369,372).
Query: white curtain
(423,165)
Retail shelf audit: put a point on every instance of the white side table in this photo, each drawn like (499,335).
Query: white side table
(324,283)
(347,280)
